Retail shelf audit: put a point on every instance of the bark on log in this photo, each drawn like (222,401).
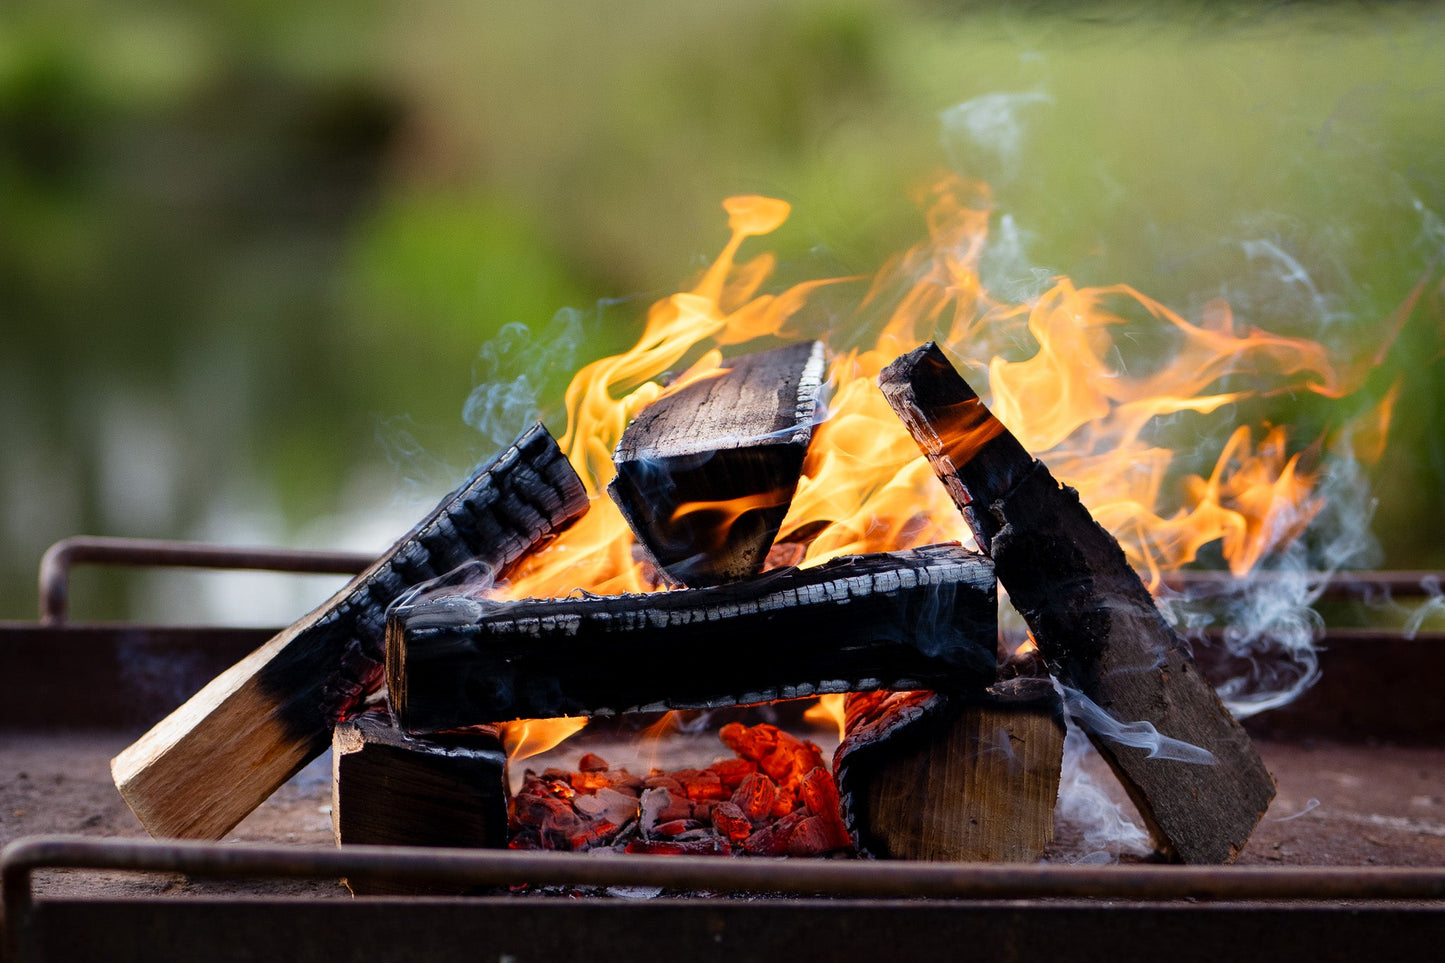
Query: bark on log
(906,620)
(204,767)
(962,778)
(706,473)
(392,790)
(1091,616)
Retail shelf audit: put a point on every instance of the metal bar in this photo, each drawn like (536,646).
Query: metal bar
(853,879)
(1344,584)
(94,549)
(397,930)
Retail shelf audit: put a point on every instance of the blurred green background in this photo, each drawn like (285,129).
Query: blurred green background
(250,252)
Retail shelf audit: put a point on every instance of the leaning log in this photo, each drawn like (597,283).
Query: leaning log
(706,473)
(925,618)
(971,778)
(1094,621)
(204,767)
(389,789)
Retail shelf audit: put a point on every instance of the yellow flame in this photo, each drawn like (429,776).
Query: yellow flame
(828,712)
(1054,372)
(525,738)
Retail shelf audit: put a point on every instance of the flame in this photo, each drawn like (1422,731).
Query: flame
(525,738)
(828,712)
(1058,372)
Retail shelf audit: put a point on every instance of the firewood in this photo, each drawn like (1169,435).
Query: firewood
(903,620)
(199,771)
(393,790)
(970,778)
(1091,616)
(706,473)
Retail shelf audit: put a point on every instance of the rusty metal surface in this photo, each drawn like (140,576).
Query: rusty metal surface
(727,931)
(1334,585)
(97,676)
(55,566)
(873,910)
(120,677)
(839,878)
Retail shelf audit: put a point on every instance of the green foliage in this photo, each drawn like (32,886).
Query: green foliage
(251,237)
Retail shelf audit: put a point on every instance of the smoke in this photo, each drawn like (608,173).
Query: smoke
(516,370)
(1102,826)
(1266,622)
(1139,735)
(985,136)
(1433,605)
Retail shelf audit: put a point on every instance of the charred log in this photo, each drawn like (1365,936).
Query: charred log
(203,768)
(903,620)
(1094,621)
(706,473)
(393,790)
(969,777)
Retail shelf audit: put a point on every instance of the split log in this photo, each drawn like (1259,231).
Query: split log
(1094,621)
(706,473)
(389,789)
(964,778)
(902,620)
(204,767)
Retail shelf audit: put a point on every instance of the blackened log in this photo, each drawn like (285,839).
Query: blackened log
(706,473)
(903,620)
(1091,616)
(389,789)
(970,777)
(204,767)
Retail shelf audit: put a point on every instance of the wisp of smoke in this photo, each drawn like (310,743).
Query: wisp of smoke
(1139,735)
(1105,829)
(515,369)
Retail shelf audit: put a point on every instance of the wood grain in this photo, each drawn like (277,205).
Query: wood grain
(1091,616)
(209,763)
(706,473)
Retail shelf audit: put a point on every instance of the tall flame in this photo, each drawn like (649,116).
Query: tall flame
(1056,372)
(1070,398)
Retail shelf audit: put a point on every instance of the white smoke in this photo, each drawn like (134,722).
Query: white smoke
(985,135)
(514,372)
(1103,828)
(1138,735)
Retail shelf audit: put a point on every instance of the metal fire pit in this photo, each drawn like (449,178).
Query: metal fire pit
(66,678)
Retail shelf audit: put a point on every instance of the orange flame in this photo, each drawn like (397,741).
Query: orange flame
(828,712)
(1068,394)
(525,738)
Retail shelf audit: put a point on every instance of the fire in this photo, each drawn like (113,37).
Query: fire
(828,712)
(1058,370)
(531,737)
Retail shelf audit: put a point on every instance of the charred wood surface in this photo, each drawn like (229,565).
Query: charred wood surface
(204,767)
(706,473)
(1093,619)
(902,620)
(971,777)
(389,789)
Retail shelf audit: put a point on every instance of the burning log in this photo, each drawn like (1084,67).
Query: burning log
(1189,766)
(393,790)
(706,473)
(204,767)
(971,777)
(902,620)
